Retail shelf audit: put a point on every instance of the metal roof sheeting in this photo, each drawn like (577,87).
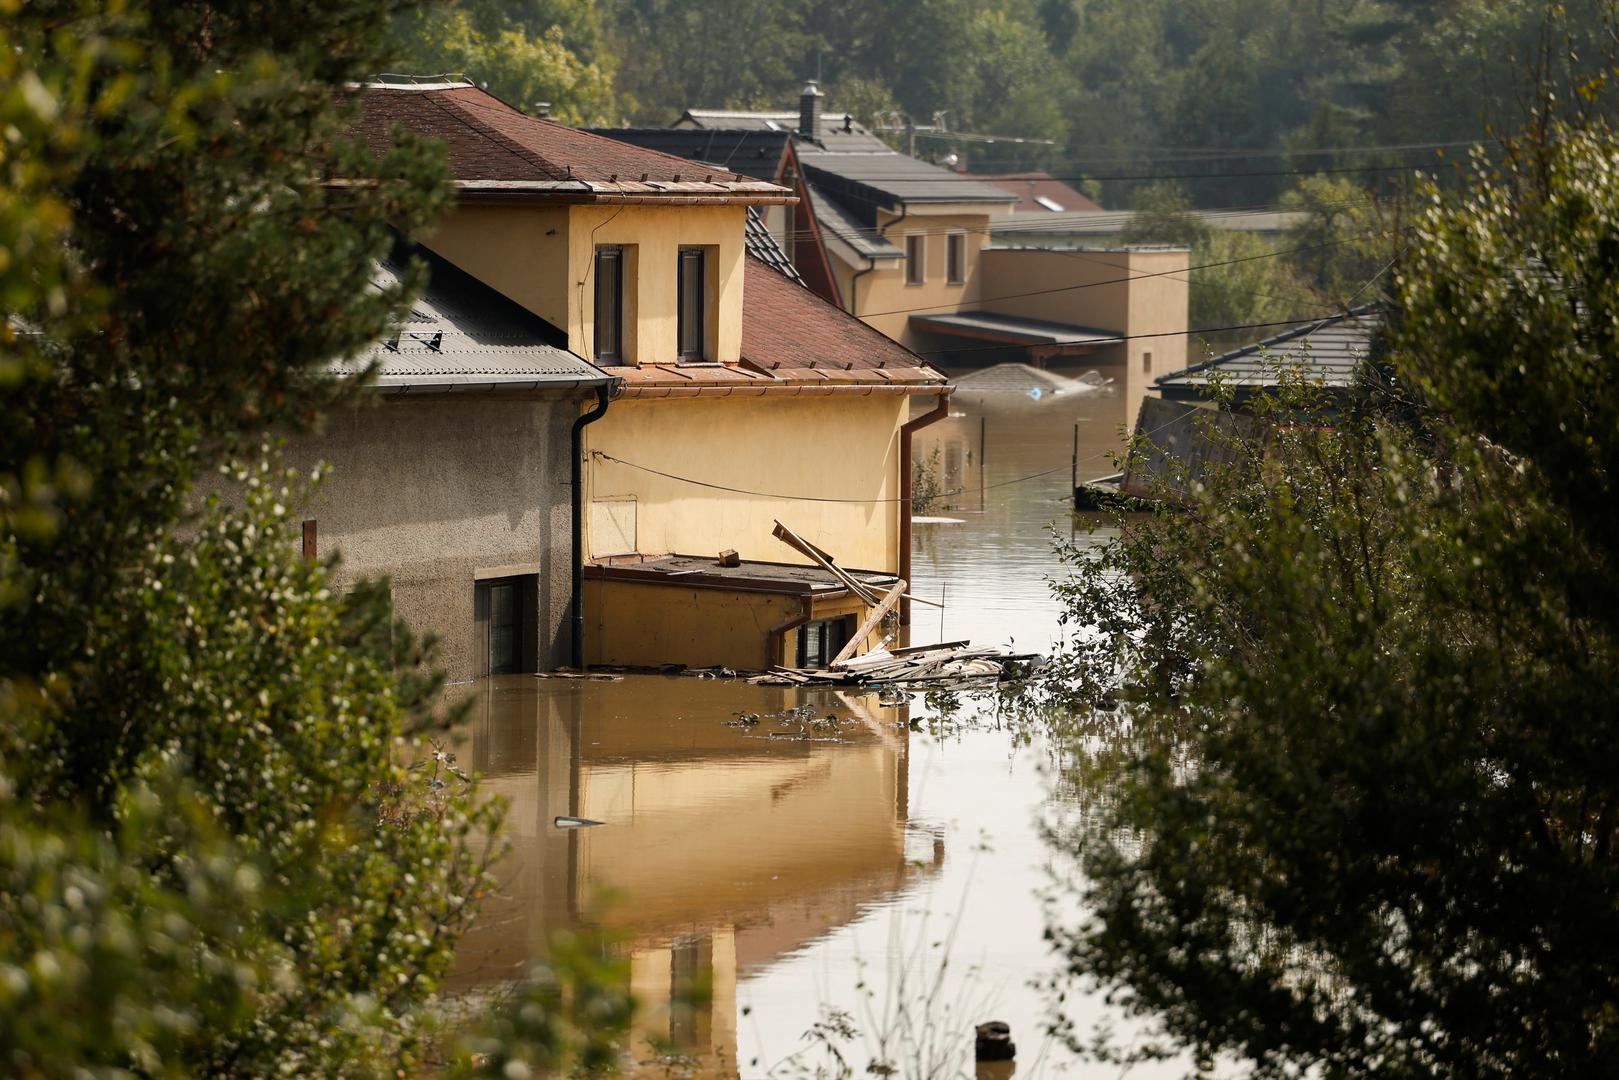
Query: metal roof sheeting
(762,246)
(462,335)
(990,326)
(1328,352)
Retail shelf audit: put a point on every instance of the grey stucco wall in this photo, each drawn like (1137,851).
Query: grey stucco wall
(436,492)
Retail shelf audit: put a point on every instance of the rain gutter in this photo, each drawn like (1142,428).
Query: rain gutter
(939,412)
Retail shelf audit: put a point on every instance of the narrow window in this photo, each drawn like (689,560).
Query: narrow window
(1146,363)
(916,253)
(609,303)
(956,258)
(693,302)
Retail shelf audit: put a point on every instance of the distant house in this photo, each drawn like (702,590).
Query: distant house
(1328,353)
(452,477)
(908,247)
(744,398)
(1040,193)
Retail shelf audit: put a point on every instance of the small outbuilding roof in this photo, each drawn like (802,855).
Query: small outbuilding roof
(991,326)
(461,335)
(1329,352)
(497,150)
(1039,192)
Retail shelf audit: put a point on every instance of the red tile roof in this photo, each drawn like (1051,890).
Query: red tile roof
(792,339)
(1029,186)
(497,149)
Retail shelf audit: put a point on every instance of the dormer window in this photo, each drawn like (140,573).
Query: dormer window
(694,301)
(610,302)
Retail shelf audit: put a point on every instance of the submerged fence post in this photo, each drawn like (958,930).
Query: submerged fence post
(309,541)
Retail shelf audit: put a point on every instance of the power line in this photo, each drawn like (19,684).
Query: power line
(1134,277)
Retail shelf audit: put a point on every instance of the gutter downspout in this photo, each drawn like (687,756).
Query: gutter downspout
(604,394)
(939,412)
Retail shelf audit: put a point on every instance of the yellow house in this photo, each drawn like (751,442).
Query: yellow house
(743,400)
(938,260)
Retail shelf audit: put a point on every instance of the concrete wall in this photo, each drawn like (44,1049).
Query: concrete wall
(844,447)
(437,493)
(544,258)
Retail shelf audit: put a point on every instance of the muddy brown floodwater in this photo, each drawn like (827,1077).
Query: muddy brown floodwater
(797,864)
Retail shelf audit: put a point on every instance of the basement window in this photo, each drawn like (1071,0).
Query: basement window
(916,257)
(503,617)
(820,640)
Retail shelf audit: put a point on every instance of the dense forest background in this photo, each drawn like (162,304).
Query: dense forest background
(1230,99)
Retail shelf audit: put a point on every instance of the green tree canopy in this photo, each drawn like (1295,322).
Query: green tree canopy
(1350,805)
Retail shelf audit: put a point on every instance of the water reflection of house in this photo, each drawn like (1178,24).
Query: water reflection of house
(723,849)
(744,397)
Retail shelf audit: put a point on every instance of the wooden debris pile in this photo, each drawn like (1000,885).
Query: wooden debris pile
(953,665)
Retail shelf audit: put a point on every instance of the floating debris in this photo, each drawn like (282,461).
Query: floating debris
(955,665)
(566,822)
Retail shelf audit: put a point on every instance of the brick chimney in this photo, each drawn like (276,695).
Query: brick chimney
(809,111)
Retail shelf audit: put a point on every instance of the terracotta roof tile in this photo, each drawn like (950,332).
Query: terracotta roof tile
(493,146)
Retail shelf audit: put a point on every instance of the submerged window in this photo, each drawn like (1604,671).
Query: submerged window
(693,302)
(610,302)
(822,639)
(956,258)
(916,254)
(503,618)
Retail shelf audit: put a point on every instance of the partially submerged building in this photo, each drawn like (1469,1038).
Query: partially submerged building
(451,478)
(1327,354)
(743,398)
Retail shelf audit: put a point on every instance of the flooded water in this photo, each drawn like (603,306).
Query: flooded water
(837,854)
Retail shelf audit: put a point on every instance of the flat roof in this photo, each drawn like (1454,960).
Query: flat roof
(702,571)
(1011,329)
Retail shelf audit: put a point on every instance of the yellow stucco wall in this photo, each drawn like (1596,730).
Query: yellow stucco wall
(543,258)
(844,447)
(882,297)
(628,624)
(633,625)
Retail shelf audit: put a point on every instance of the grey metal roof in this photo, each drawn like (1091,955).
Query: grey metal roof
(751,151)
(1112,222)
(463,335)
(839,132)
(762,246)
(866,181)
(990,326)
(833,218)
(1328,352)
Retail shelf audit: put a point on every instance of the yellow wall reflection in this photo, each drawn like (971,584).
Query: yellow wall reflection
(725,844)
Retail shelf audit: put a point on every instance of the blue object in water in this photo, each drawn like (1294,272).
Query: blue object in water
(1036,393)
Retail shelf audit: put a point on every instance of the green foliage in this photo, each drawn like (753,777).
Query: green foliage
(214,858)
(1350,708)
(525,54)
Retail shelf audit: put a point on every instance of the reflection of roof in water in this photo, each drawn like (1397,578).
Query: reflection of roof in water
(1022,378)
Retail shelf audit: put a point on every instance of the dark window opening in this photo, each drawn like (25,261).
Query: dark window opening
(693,302)
(820,640)
(609,303)
(916,253)
(504,625)
(956,258)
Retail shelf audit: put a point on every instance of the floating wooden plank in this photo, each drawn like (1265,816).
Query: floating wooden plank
(871,623)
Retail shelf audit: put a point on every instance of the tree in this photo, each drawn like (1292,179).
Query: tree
(526,54)
(216,858)
(1352,810)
